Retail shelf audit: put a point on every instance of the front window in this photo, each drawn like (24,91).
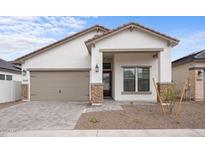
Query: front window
(106,65)
(143,79)
(8,77)
(2,77)
(129,79)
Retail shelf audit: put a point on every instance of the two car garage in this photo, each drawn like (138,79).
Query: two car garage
(59,85)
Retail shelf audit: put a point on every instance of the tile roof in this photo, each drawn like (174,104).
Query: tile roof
(200,55)
(131,24)
(8,66)
(95,27)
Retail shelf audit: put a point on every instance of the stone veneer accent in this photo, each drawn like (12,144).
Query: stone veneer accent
(162,87)
(96,94)
(24,91)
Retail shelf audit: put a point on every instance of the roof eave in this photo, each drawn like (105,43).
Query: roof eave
(172,41)
(55,44)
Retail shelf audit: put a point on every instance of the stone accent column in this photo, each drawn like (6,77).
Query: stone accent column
(24,91)
(96,94)
(163,87)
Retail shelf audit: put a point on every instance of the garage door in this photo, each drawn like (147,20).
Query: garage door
(59,86)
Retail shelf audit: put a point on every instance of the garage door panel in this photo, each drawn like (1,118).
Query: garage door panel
(59,86)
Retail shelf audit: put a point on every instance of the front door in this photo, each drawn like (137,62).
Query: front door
(107,78)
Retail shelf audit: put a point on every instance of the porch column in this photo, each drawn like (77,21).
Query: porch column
(96,82)
(165,74)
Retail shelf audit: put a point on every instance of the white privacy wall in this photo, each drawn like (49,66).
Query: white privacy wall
(10,91)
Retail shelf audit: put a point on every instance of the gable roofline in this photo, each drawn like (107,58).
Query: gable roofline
(131,25)
(195,56)
(55,44)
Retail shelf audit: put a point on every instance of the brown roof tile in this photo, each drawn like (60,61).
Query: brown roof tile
(130,24)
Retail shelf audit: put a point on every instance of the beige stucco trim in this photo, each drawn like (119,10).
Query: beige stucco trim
(137,93)
(195,68)
(60,69)
(131,50)
(127,66)
(96,84)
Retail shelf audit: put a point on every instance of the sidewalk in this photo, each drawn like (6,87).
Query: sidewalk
(110,133)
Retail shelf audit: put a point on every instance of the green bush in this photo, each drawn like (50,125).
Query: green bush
(93,120)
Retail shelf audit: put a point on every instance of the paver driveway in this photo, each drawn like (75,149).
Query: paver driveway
(41,116)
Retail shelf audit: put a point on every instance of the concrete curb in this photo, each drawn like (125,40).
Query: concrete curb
(109,133)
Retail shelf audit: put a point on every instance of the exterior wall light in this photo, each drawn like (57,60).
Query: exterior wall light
(96,68)
(199,73)
(23,72)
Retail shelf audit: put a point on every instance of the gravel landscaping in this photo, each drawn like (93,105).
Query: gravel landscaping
(144,117)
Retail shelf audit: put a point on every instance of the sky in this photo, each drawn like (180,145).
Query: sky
(20,35)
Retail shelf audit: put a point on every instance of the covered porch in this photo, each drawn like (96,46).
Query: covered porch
(124,61)
(126,75)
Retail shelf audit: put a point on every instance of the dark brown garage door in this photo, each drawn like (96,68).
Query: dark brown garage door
(59,86)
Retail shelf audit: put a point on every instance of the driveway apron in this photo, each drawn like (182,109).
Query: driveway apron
(41,116)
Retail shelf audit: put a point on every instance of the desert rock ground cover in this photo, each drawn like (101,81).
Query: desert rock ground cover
(144,117)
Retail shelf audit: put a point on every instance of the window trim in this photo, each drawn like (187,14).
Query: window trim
(137,92)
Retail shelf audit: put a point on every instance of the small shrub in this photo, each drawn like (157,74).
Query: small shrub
(136,120)
(170,98)
(177,122)
(93,120)
(131,103)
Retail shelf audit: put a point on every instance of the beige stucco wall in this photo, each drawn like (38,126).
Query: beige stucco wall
(183,72)
(180,73)
(199,85)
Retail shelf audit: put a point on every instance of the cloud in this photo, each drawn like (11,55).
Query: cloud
(20,35)
(189,43)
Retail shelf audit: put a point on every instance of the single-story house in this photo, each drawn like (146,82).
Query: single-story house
(10,82)
(191,68)
(97,63)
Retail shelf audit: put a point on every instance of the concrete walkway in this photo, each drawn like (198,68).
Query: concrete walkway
(110,133)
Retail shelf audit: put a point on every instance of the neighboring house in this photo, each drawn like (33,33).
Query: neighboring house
(97,63)
(9,71)
(191,68)
(10,82)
